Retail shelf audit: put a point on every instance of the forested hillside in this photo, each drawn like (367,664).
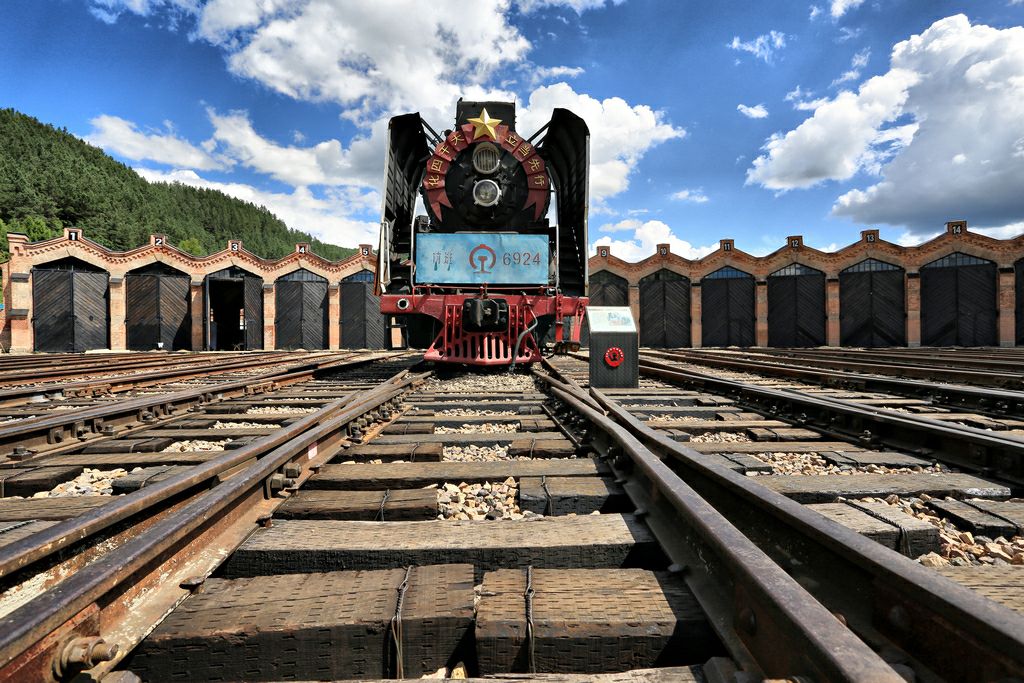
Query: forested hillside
(50,179)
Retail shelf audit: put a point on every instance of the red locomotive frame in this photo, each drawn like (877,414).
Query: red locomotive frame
(454,344)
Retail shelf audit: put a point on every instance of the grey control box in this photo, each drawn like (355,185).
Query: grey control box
(614,347)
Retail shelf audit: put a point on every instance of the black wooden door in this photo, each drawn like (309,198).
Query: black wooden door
(252,297)
(157,309)
(314,315)
(727,311)
(652,313)
(664,311)
(872,308)
(978,305)
(288,323)
(176,312)
(796,310)
(142,311)
(959,305)
(92,317)
(52,311)
(362,324)
(301,314)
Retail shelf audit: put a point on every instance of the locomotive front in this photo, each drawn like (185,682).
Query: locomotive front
(484,278)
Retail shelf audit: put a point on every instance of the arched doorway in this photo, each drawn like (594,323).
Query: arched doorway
(958,302)
(70,306)
(158,308)
(872,305)
(362,324)
(796,306)
(301,305)
(234,310)
(665,310)
(727,308)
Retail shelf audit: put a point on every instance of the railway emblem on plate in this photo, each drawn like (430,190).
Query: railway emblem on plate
(481,258)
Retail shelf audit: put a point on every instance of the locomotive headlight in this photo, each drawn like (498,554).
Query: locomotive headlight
(486,193)
(486,158)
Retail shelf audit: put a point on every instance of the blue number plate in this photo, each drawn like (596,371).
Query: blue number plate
(481,257)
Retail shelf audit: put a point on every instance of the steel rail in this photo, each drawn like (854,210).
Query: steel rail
(977,449)
(989,400)
(118,383)
(102,365)
(28,624)
(88,423)
(876,366)
(952,630)
(770,624)
(1004,359)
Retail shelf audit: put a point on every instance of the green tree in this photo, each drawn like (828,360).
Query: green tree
(192,246)
(49,179)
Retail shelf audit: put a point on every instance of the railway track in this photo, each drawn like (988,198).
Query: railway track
(404,523)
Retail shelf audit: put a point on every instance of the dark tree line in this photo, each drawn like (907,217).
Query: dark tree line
(50,179)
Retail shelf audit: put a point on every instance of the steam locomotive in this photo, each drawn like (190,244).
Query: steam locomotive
(483,278)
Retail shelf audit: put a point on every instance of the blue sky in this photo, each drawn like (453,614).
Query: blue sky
(709,119)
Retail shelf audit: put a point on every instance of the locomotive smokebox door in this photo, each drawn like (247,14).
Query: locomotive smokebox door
(614,347)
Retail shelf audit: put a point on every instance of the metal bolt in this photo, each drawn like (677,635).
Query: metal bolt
(293,470)
(79,654)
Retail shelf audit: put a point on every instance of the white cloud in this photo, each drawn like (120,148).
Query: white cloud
(815,12)
(969,100)
(835,142)
(841,7)
(758,111)
(544,73)
(846,33)
(357,55)
(762,47)
(646,238)
(580,6)
(696,196)
(1007,231)
(801,99)
(620,133)
(328,217)
(122,137)
(859,61)
(326,163)
(108,11)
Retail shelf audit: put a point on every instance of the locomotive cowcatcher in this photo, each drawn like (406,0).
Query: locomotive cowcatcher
(484,278)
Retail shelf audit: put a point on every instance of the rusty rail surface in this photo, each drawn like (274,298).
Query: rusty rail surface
(771,625)
(105,597)
(988,400)
(101,365)
(960,445)
(50,432)
(890,376)
(118,383)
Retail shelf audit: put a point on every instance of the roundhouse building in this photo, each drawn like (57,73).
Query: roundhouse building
(71,294)
(961,288)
